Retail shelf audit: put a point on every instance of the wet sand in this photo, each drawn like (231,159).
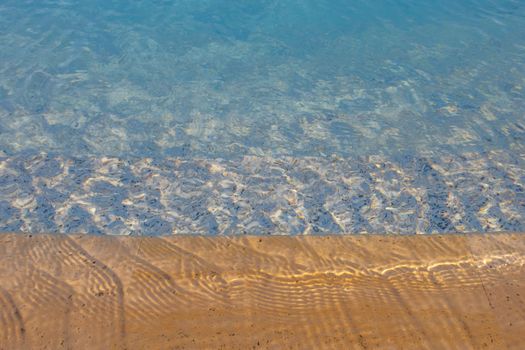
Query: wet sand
(363,292)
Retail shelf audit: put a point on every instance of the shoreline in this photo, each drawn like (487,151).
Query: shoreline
(239,292)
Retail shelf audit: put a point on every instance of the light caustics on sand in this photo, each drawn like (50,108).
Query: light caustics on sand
(265,292)
(402,116)
(259,195)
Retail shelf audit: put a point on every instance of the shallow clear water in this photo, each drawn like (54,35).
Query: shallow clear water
(394,80)
(290,77)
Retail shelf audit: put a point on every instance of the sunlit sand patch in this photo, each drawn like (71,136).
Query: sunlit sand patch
(270,292)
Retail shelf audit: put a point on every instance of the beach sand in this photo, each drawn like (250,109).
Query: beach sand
(193,292)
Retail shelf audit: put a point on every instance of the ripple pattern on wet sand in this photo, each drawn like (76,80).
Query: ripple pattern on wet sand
(268,292)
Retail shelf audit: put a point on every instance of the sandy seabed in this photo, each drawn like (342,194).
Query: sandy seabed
(309,292)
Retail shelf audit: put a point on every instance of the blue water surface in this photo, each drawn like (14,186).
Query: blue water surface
(288,77)
(289,116)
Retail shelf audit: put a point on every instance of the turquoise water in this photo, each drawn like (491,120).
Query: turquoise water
(408,85)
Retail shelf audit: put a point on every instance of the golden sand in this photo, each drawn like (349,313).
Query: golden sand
(340,292)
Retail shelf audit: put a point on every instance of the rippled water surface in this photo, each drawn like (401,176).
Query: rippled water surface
(144,116)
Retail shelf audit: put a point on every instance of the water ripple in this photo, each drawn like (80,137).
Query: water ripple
(262,195)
